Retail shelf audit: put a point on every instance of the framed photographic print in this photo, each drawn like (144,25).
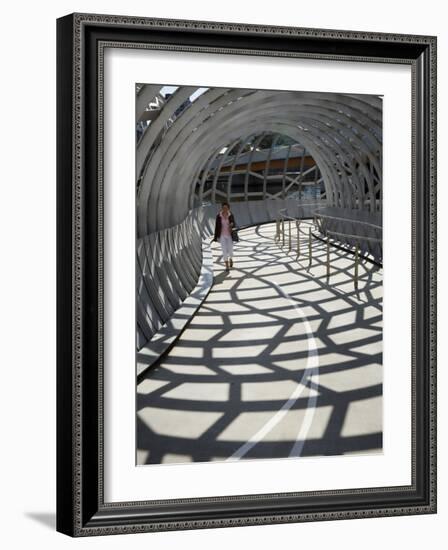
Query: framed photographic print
(246,274)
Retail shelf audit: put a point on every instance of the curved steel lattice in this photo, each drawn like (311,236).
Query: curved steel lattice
(200,132)
(260,150)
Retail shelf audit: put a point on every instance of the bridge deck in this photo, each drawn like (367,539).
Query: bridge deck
(277,362)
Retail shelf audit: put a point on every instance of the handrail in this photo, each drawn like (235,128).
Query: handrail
(319,203)
(280,234)
(356,237)
(350,220)
(282,213)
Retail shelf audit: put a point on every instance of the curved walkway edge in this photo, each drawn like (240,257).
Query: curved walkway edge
(164,339)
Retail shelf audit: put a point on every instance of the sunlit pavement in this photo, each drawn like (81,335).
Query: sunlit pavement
(277,362)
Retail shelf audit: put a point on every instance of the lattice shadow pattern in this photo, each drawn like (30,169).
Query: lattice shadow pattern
(277,362)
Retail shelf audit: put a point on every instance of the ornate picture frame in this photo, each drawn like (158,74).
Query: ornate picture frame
(81,43)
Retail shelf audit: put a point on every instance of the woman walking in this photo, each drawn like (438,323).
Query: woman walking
(224,225)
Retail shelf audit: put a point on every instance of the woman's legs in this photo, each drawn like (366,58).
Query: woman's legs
(227,250)
(230,245)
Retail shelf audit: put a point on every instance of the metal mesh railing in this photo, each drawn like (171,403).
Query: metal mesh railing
(284,235)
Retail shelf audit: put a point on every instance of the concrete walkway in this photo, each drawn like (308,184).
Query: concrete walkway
(277,362)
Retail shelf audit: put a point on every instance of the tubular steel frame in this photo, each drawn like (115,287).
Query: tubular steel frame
(221,115)
(82,38)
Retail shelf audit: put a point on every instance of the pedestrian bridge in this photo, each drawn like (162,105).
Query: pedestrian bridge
(283,358)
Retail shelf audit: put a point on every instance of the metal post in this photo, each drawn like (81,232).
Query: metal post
(355,278)
(298,238)
(328,257)
(277,229)
(289,239)
(310,248)
(283,231)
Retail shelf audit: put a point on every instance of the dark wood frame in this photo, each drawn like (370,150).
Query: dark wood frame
(81,39)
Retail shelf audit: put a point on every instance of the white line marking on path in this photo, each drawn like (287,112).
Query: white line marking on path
(312,369)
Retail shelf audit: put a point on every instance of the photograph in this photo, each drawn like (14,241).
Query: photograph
(258,274)
(246,273)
